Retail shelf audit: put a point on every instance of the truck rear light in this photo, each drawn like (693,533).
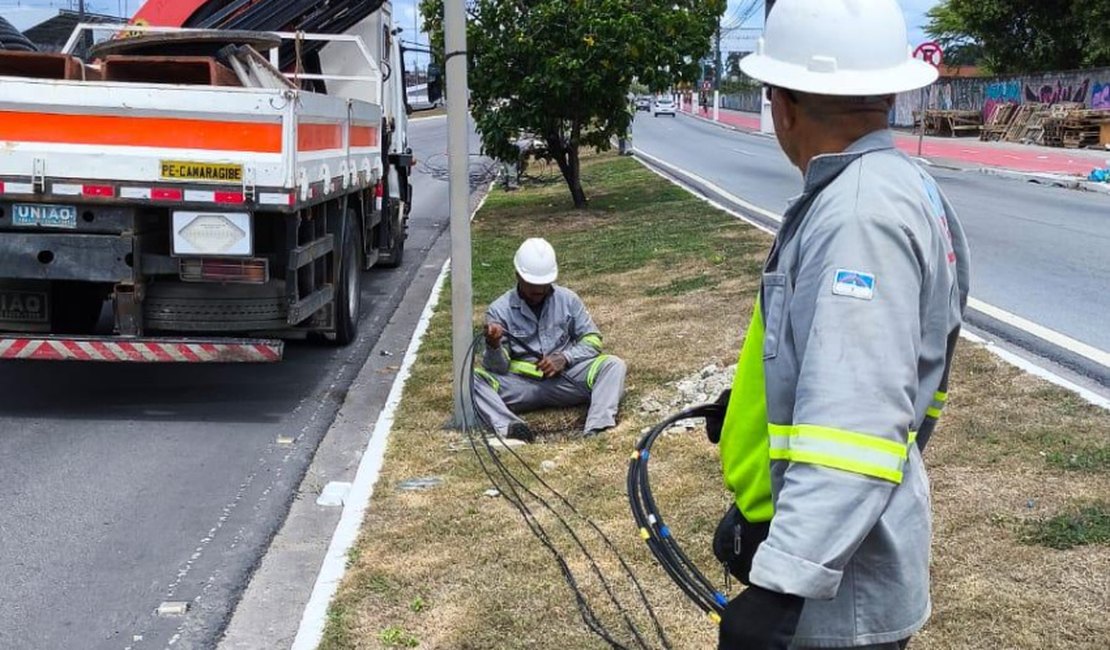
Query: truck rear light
(250,271)
(379,192)
(230,197)
(98,190)
(166,194)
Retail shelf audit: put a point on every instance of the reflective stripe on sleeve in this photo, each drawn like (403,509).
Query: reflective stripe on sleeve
(934,410)
(592,340)
(849,451)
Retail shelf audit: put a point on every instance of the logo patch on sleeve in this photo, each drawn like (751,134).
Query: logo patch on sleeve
(854,284)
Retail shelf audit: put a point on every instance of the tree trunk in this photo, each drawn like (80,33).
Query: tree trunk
(567,158)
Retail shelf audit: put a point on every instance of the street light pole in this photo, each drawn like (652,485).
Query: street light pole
(766,121)
(458,154)
(717,73)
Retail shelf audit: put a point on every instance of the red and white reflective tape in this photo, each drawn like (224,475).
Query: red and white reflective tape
(152,193)
(7,187)
(205,196)
(139,351)
(277,198)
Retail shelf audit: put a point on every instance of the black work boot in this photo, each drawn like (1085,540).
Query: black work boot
(521,431)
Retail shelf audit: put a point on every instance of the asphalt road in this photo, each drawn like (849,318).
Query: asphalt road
(125,487)
(1042,253)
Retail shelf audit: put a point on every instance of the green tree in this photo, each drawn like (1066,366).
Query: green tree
(1021,36)
(561,69)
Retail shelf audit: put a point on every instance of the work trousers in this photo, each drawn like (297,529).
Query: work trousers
(598,382)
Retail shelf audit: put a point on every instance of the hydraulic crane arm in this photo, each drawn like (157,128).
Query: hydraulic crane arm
(326,16)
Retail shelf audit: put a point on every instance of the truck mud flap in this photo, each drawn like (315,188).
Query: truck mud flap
(139,350)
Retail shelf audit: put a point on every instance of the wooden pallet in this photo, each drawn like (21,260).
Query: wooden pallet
(953,123)
(997,122)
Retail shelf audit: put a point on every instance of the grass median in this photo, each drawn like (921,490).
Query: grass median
(1017,465)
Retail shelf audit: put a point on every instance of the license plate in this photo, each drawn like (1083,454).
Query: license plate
(24,306)
(44,215)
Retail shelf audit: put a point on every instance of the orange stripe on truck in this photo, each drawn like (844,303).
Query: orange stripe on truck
(319,137)
(364,136)
(110,130)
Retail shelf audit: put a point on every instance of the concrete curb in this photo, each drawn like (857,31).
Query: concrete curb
(758,134)
(1055,180)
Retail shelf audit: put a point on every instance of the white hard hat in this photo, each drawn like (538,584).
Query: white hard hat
(535,262)
(848,48)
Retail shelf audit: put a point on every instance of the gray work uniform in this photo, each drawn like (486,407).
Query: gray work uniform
(865,284)
(510,383)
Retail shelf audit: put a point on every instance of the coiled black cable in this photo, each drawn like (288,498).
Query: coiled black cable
(13,40)
(654,530)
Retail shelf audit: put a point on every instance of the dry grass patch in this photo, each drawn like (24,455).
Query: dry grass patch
(671,281)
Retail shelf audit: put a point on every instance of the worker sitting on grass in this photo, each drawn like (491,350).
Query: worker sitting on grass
(543,350)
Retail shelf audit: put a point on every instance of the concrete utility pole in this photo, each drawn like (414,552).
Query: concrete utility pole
(717,74)
(766,122)
(458,154)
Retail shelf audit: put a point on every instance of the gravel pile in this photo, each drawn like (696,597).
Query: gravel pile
(702,387)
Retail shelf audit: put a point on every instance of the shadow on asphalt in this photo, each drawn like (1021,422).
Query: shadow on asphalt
(232,393)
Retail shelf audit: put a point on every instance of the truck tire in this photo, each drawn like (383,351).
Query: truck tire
(348,298)
(393,237)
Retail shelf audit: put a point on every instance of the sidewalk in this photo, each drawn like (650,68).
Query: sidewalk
(968,152)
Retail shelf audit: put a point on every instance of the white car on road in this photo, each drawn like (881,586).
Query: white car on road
(663,106)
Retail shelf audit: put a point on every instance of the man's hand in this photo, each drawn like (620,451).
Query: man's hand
(759,619)
(552,365)
(494,332)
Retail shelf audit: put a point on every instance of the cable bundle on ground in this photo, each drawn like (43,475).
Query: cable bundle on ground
(522,487)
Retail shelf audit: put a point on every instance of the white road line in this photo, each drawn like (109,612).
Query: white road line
(716,204)
(751,207)
(746,153)
(1037,371)
(1050,336)
(311,629)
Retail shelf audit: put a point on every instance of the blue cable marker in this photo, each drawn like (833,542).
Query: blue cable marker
(645,454)
(665,531)
(721,599)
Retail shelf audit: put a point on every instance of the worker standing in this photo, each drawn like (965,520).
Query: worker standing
(544,350)
(847,355)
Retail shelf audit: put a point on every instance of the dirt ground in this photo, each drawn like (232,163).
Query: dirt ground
(670,281)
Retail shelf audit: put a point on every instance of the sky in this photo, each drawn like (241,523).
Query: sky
(404,11)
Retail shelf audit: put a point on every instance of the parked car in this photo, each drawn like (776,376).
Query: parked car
(643,104)
(663,106)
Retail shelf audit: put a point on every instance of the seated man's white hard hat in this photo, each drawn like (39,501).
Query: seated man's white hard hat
(847,48)
(535,262)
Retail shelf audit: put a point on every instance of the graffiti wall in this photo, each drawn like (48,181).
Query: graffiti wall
(1088,87)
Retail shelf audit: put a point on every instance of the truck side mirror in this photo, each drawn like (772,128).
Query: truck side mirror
(435,84)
